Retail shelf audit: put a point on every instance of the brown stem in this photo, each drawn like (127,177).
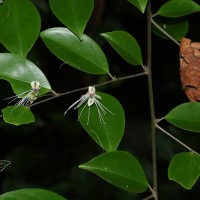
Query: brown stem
(85,88)
(151,99)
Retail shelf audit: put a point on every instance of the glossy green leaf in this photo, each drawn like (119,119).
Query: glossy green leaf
(84,55)
(19,27)
(120,169)
(74,14)
(125,45)
(140,4)
(185,116)
(107,135)
(20,72)
(31,194)
(184,169)
(178,8)
(17,115)
(175,27)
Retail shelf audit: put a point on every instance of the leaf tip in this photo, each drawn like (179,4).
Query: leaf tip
(82,166)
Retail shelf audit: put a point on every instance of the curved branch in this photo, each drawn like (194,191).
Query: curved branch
(56,95)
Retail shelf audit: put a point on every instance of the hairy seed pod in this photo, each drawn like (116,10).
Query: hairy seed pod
(190,68)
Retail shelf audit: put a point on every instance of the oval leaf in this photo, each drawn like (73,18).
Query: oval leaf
(178,8)
(120,169)
(140,4)
(185,116)
(125,45)
(74,14)
(20,72)
(84,55)
(19,27)
(108,131)
(31,194)
(175,27)
(17,115)
(184,169)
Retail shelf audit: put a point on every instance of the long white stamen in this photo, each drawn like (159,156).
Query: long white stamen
(88,115)
(29,96)
(80,102)
(92,98)
(72,106)
(84,98)
(82,111)
(105,107)
(23,102)
(101,108)
(19,103)
(17,96)
(99,113)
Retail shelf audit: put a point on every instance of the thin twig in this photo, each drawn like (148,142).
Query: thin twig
(160,119)
(164,32)
(85,88)
(111,76)
(177,140)
(151,100)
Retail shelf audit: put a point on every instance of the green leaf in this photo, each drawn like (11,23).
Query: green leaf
(19,25)
(17,115)
(140,4)
(31,194)
(84,55)
(125,45)
(20,72)
(72,13)
(120,169)
(184,169)
(178,8)
(107,135)
(175,27)
(185,116)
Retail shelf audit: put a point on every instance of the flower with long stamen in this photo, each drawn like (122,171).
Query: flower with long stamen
(27,97)
(90,99)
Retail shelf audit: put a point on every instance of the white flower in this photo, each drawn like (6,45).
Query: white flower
(91,98)
(30,95)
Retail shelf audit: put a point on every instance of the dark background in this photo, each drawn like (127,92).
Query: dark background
(46,154)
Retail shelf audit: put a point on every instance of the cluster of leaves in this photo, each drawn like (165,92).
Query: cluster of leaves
(20,28)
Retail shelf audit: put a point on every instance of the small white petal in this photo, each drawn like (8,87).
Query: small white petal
(91,90)
(90,101)
(35,85)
